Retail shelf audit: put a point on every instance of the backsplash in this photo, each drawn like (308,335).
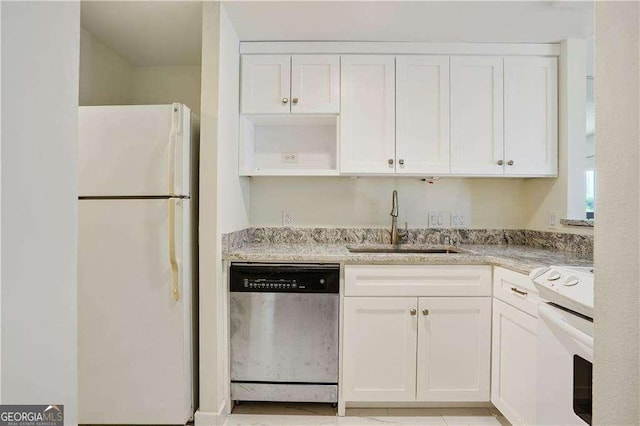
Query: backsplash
(574,243)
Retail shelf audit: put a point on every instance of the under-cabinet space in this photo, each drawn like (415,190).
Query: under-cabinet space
(288,145)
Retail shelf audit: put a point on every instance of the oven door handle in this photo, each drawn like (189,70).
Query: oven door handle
(548,315)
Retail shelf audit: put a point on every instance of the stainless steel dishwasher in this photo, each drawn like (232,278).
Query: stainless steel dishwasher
(284,332)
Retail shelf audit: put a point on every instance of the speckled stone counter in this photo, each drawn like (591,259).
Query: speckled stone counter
(519,258)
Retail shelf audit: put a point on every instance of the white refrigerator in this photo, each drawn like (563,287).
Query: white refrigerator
(136,264)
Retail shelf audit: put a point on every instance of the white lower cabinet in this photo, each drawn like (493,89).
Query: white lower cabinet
(379,360)
(454,349)
(513,378)
(416,349)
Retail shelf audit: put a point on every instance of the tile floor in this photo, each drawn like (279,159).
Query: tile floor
(277,414)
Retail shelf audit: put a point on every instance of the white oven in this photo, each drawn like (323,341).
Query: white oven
(565,365)
(564,346)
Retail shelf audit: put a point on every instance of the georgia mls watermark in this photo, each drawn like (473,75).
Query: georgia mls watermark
(31,415)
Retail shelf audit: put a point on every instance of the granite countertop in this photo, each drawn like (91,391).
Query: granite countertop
(519,258)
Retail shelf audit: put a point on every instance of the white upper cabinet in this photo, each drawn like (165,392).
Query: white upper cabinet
(530,116)
(283,84)
(454,349)
(477,115)
(367,114)
(485,114)
(422,114)
(265,84)
(315,84)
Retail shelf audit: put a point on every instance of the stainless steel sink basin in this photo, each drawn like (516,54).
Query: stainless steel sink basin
(403,249)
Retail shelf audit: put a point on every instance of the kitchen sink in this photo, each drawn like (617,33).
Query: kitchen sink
(403,249)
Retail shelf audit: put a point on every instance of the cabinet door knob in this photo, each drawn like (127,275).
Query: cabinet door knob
(401,162)
(413,312)
(425,312)
(510,163)
(390,161)
(295,101)
(500,162)
(285,100)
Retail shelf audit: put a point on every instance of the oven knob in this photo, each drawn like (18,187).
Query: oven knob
(553,276)
(571,281)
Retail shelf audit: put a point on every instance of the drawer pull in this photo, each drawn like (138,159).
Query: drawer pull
(425,312)
(413,312)
(520,292)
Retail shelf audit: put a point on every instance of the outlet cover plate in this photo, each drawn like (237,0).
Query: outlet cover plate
(289,157)
(459,220)
(287,218)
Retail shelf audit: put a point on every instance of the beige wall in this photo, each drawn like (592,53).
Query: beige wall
(350,202)
(617,254)
(40,45)
(106,78)
(223,199)
(165,85)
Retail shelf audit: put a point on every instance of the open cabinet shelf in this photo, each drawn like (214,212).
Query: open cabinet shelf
(289,145)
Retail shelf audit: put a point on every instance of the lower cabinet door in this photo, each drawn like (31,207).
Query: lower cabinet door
(513,381)
(454,349)
(379,356)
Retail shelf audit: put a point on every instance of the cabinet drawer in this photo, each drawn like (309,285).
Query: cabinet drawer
(516,289)
(417,280)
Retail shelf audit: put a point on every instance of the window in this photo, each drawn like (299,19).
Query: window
(590,186)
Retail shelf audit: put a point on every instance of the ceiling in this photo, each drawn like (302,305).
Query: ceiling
(161,33)
(147,33)
(437,21)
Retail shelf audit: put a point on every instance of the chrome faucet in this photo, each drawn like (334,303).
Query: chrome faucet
(394,218)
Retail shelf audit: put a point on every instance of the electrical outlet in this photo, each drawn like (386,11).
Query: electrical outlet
(554,220)
(289,157)
(458,220)
(287,218)
(439,219)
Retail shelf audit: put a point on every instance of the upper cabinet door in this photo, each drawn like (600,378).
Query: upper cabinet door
(315,84)
(422,114)
(531,116)
(477,143)
(454,348)
(367,114)
(265,84)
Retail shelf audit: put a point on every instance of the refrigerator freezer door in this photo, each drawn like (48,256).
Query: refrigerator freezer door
(135,355)
(134,150)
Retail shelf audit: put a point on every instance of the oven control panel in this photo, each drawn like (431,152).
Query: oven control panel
(569,287)
(287,278)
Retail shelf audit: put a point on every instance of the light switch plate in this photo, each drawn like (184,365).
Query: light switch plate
(439,219)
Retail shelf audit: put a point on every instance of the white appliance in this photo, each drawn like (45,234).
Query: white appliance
(136,264)
(564,345)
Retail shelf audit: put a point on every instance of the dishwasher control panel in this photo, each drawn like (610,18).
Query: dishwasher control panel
(285,278)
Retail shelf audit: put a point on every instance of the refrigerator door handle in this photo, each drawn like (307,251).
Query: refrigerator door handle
(176,132)
(173,261)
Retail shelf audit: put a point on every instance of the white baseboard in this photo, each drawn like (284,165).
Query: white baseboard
(210,418)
